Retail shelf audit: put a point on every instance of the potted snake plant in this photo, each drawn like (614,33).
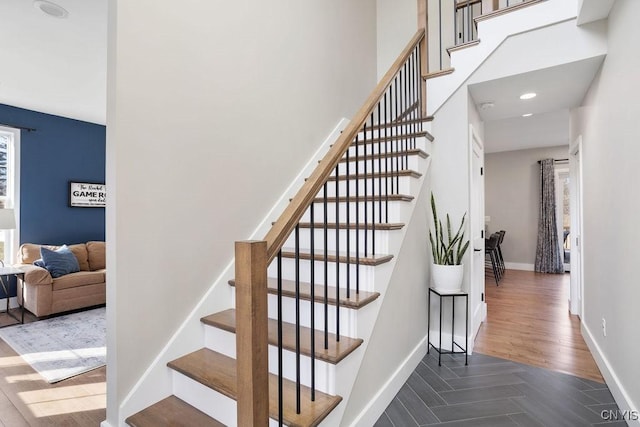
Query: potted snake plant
(448,250)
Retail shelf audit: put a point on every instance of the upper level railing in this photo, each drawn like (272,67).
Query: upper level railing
(453,23)
(372,151)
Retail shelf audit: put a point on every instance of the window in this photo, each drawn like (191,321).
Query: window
(9,173)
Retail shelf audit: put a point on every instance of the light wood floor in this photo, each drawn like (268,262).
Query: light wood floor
(528,321)
(28,400)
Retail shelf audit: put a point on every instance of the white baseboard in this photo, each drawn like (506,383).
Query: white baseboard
(105,424)
(615,386)
(387,392)
(519,266)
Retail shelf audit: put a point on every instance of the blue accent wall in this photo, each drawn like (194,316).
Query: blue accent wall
(58,151)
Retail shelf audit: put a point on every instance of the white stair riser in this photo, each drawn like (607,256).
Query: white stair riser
(366,274)
(225,342)
(209,401)
(392,211)
(361,187)
(356,240)
(348,317)
(413,162)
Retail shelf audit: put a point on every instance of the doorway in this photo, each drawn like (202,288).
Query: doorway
(576,241)
(476,222)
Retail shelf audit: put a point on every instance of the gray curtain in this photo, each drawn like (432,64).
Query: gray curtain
(548,255)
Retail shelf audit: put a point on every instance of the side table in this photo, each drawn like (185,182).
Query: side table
(19,275)
(443,296)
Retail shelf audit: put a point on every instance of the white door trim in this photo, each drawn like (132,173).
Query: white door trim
(477,311)
(576,303)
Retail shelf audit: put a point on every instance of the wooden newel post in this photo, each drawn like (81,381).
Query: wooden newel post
(251,333)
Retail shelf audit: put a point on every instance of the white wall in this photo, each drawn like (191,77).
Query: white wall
(512,188)
(611,160)
(213,108)
(450,174)
(397,22)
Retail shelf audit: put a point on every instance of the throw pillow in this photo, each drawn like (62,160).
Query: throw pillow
(39,263)
(59,262)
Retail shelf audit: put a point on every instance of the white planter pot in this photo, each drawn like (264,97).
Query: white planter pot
(447,278)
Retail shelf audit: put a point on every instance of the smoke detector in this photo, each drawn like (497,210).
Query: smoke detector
(50,9)
(487,105)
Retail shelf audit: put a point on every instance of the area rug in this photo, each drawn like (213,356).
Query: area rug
(63,346)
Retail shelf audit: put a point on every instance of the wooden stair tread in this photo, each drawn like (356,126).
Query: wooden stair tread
(369,198)
(404,172)
(371,260)
(336,351)
(363,141)
(355,300)
(218,372)
(462,46)
(352,226)
(174,412)
(398,123)
(411,152)
(505,10)
(438,73)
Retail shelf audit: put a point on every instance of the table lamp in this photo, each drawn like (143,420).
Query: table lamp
(7,222)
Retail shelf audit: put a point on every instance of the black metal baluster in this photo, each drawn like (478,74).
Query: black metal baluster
(348,222)
(313,304)
(326,272)
(297,263)
(399,133)
(379,167)
(386,161)
(338,259)
(456,37)
(373,192)
(280,372)
(470,36)
(406,95)
(358,214)
(366,179)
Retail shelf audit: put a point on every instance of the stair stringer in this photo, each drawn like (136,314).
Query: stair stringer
(493,32)
(410,246)
(156,383)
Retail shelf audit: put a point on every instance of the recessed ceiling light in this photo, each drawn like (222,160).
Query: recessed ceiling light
(50,9)
(528,95)
(527,115)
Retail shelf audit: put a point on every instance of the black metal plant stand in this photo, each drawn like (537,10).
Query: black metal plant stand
(454,344)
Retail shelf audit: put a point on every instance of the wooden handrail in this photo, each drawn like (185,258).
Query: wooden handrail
(287,221)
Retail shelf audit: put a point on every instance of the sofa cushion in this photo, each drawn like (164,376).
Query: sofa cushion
(29,252)
(81,278)
(97,255)
(59,262)
(80,251)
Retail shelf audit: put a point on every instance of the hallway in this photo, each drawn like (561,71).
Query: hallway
(528,321)
(530,367)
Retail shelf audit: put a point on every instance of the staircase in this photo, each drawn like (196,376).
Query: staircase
(310,309)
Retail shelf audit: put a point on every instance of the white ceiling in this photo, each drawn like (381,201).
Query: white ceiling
(558,89)
(56,66)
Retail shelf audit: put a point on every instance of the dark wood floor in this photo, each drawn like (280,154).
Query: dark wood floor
(528,321)
(28,400)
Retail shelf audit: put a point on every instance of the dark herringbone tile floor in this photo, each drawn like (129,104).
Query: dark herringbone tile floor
(496,392)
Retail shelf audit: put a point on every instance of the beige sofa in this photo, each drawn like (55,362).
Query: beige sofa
(44,295)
